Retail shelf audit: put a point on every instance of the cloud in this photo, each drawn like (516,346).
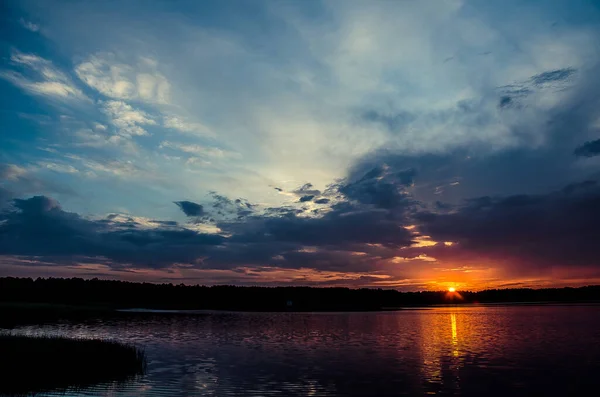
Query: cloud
(39,227)
(222,208)
(5,196)
(58,167)
(129,121)
(523,234)
(85,135)
(588,149)
(338,227)
(505,101)
(29,25)
(123,169)
(11,172)
(546,84)
(18,180)
(473,171)
(181,125)
(381,186)
(190,208)
(200,150)
(37,205)
(104,73)
(307,189)
(254,238)
(51,82)
(552,76)
(392,122)
(397,113)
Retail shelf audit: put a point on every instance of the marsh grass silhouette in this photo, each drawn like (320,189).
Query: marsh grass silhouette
(31,365)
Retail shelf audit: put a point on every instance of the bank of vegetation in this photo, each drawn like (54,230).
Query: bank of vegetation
(33,364)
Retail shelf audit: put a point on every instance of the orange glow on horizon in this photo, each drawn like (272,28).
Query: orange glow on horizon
(451,289)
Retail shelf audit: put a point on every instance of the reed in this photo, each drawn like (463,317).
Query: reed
(31,364)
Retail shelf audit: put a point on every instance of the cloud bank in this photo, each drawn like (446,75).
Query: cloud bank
(331,143)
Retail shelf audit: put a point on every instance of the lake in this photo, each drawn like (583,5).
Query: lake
(550,350)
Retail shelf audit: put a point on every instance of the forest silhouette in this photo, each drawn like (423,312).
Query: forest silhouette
(95,293)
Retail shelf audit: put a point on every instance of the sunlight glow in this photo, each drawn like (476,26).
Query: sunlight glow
(451,289)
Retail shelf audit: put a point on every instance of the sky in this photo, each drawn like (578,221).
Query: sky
(386,144)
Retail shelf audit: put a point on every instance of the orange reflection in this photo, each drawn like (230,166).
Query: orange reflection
(454,335)
(448,334)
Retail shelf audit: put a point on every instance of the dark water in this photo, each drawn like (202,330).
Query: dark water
(476,351)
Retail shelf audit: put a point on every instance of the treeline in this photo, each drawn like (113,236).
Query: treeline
(121,294)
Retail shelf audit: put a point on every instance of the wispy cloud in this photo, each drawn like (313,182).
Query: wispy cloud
(181,125)
(199,150)
(51,82)
(58,167)
(29,25)
(122,81)
(121,169)
(126,119)
(11,172)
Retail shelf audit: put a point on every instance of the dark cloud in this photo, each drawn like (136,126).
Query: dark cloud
(505,101)
(381,186)
(166,223)
(513,94)
(37,205)
(588,149)
(527,232)
(330,260)
(190,208)
(281,211)
(39,227)
(306,198)
(334,228)
(322,201)
(225,208)
(221,202)
(5,196)
(307,190)
(359,218)
(552,76)
(281,241)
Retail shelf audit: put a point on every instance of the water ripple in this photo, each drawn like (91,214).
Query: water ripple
(494,351)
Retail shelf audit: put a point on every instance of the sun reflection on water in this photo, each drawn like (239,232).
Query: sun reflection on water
(454,335)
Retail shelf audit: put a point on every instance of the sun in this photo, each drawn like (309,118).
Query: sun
(451,289)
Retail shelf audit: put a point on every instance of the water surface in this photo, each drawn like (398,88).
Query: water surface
(470,351)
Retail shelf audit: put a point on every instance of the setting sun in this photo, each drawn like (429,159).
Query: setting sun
(451,289)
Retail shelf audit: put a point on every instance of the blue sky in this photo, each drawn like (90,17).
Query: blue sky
(307,142)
